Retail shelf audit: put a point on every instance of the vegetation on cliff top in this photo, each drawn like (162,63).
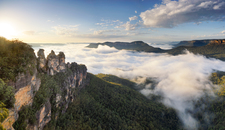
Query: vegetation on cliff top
(15,57)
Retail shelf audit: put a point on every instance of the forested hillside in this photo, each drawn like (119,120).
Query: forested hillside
(105,104)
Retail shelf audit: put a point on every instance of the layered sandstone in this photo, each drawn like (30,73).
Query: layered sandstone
(217,42)
(26,86)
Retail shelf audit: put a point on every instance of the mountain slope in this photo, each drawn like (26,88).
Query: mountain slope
(213,51)
(136,45)
(194,43)
(110,105)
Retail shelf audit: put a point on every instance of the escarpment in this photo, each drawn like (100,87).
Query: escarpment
(46,93)
(217,42)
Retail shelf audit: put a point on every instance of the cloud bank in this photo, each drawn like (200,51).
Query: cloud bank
(180,79)
(172,13)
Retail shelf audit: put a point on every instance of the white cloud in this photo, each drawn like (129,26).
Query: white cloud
(105,31)
(128,26)
(217,7)
(133,18)
(223,32)
(103,34)
(172,13)
(135,11)
(66,30)
(100,23)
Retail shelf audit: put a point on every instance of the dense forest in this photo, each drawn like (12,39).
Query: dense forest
(104,104)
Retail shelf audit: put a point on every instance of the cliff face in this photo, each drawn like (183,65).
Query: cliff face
(201,42)
(217,42)
(193,43)
(27,85)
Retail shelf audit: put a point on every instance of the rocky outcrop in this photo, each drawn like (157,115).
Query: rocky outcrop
(27,85)
(75,78)
(44,115)
(217,42)
(55,63)
(41,60)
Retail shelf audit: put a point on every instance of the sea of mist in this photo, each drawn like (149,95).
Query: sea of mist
(180,79)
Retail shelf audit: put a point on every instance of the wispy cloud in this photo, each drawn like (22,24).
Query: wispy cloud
(29,32)
(128,26)
(105,31)
(172,13)
(51,21)
(133,18)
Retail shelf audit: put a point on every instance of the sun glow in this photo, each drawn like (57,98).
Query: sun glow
(7,31)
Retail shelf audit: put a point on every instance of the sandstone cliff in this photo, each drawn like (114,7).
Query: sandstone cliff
(217,42)
(71,77)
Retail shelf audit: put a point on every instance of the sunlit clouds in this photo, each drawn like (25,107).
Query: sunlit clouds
(173,13)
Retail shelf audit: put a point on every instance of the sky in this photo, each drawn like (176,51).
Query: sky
(85,21)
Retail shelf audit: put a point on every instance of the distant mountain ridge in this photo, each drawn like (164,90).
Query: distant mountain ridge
(217,42)
(200,42)
(213,48)
(135,45)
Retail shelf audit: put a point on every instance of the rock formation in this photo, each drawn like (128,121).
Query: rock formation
(27,85)
(41,60)
(217,42)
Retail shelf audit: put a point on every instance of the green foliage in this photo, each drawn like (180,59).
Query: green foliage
(48,87)
(4,113)
(15,57)
(6,94)
(109,105)
(115,79)
(213,109)
(219,80)
(25,114)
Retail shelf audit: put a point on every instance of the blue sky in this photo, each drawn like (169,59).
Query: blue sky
(48,21)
